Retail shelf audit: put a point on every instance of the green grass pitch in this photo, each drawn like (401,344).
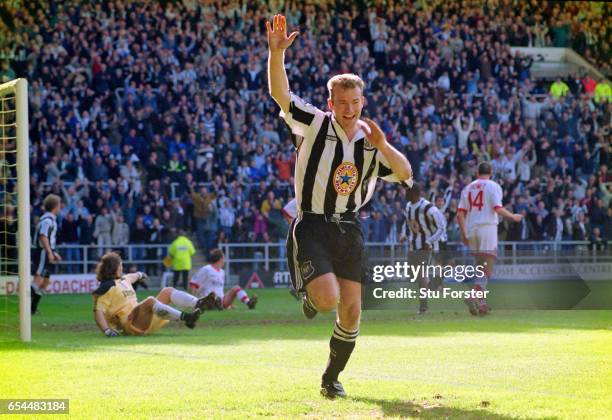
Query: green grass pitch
(268,362)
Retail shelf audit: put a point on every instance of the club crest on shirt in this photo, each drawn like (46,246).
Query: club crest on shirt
(307,270)
(345,178)
(367,145)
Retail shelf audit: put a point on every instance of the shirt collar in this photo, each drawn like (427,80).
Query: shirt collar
(341,133)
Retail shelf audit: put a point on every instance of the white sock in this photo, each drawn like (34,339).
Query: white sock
(482,283)
(182,299)
(244,298)
(166,312)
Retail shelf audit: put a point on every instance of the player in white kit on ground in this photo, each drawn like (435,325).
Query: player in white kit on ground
(478,215)
(211,278)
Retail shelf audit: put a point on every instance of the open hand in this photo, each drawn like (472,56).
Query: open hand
(373,133)
(277,34)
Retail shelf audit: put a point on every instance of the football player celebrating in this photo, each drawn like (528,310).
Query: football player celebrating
(480,205)
(210,279)
(116,308)
(339,157)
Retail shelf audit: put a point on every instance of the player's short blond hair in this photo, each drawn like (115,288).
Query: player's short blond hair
(51,202)
(344,81)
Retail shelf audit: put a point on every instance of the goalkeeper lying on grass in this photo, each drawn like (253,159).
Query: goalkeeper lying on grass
(116,308)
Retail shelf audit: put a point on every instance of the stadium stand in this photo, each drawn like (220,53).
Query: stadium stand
(134,103)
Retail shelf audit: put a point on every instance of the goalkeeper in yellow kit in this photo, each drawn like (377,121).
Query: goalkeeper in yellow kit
(116,308)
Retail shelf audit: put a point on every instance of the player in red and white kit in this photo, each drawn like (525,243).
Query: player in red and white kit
(481,205)
(211,278)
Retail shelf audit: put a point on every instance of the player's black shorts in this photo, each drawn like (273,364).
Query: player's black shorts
(40,263)
(317,245)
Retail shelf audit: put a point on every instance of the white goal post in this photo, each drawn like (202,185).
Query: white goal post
(14,120)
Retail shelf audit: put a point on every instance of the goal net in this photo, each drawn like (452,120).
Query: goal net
(14,211)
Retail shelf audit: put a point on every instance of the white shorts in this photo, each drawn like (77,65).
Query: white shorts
(483,239)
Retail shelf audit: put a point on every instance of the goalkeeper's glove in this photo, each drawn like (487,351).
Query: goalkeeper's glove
(109,332)
(142,277)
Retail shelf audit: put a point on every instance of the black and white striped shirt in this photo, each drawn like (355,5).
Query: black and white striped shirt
(332,174)
(47,225)
(448,195)
(424,223)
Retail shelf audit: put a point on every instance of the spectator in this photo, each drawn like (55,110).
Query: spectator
(69,235)
(86,235)
(201,207)
(120,234)
(260,228)
(589,85)
(559,89)
(603,92)
(463,133)
(181,251)
(83,128)
(580,231)
(102,231)
(597,241)
(378,228)
(138,236)
(277,225)
(227,217)
(99,171)
(155,254)
(211,226)
(555,227)
(598,215)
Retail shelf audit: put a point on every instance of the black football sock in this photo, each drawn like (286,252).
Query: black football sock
(341,346)
(34,300)
(422,301)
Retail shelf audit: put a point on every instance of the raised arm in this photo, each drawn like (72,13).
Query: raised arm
(136,277)
(278,42)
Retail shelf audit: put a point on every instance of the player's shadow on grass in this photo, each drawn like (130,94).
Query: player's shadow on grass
(429,410)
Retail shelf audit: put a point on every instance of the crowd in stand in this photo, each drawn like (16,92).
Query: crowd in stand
(152,117)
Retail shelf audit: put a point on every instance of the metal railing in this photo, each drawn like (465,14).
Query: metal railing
(83,258)
(272,256)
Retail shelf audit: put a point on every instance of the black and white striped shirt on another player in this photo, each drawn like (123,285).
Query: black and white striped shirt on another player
(332,174)
(424,223)
(47,225)
(448,195)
